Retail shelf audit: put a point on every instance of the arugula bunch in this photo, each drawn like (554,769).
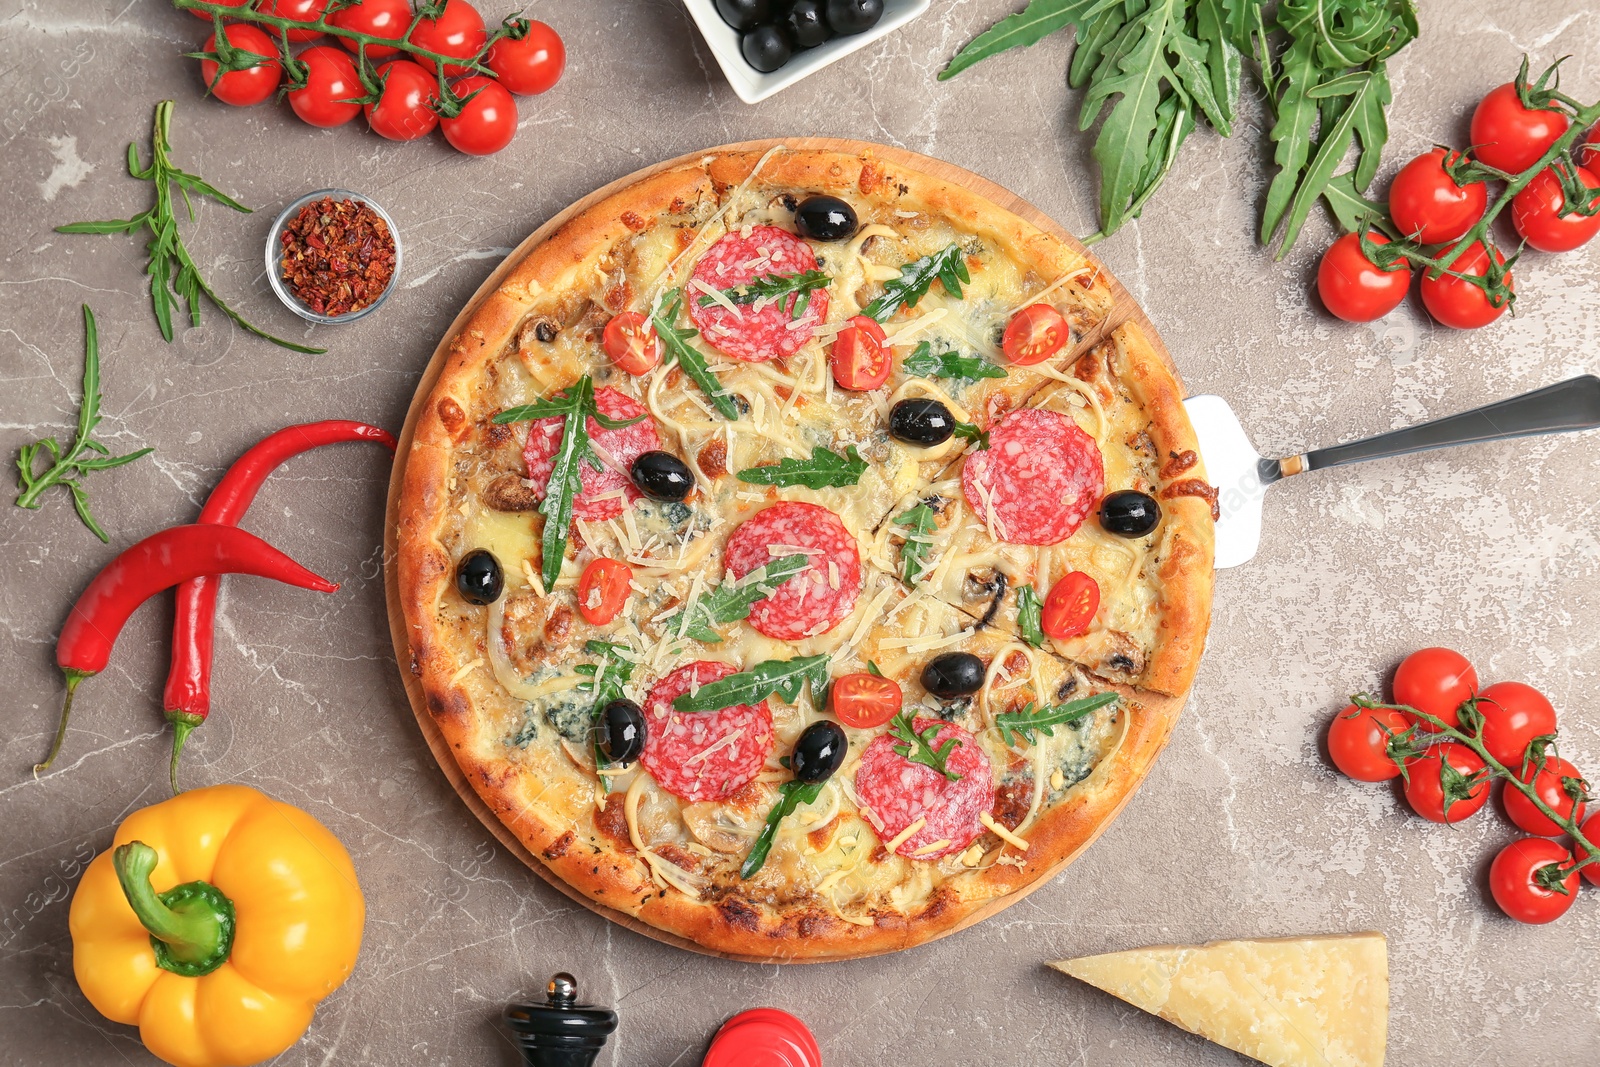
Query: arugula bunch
(776,287)
(784,677)
(732,601)
(948,265)
(693,362)
(606,681)
(920,747)
(791,795)
(923,363)
(919,523)
(823,470)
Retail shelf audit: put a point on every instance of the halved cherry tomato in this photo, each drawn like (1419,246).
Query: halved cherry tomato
(1425,787)
(631,343)
(1034,334)
(1458,303)
(1514,883)
(1536,213)
(603,589)
(529,65)
(376,18)
(1437,681)
(457,32)
(1351,285)
(1509,136)
(1427,204)
(1071,606)
(402,112)
(860,359)
(252,85)
(1591,830)
(299,11)
(331,85)
(865,700)
(487,122)
(1513,714)
(1547,782)
(1358,742)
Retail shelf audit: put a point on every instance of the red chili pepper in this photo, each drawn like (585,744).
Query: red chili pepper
(187,698)
(158,562)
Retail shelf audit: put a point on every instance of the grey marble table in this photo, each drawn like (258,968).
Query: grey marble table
(1243,828)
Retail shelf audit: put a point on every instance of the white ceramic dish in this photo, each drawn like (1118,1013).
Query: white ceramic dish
(753,86)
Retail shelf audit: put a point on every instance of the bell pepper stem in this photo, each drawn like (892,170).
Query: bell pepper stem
(191,925)
(73,677)
(183,724)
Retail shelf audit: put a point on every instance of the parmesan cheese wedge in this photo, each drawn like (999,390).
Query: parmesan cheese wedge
(1288,1002)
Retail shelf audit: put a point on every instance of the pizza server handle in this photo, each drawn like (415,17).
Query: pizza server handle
(1561,408)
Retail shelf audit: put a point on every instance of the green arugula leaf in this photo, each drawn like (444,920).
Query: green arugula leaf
(606,681)
(919,747)
(949,265)
(823,470)
(924,364)
(1032,720)
(968,432)
(872,669)
(1027,27)
(732,601)
(1351,209)
(689,358)
(791,795)
(785,677)
(776,287)
(1029,610)
(565,481)
(919,523)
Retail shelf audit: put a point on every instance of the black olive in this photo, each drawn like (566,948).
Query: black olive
(854,16)
(804,24)
(744,14)
(1129,513)
(921,422)
(819,752)
(622,731)
(954,674)
(662,476)
(478,577)
(765,48)
(825,218)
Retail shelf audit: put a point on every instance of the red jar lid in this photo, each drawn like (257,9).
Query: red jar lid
(763,1037)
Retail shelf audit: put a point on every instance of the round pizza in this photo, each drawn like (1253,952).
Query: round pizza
(797,557)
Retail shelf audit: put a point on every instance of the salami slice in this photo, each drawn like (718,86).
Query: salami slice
(765,329)
(704,755)
(897,792)
(818,598)
(1037,481)
(598,498)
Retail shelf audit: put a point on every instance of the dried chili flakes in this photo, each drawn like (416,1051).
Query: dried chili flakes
(338,256)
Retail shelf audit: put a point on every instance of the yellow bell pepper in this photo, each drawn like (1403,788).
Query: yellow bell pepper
(216,922)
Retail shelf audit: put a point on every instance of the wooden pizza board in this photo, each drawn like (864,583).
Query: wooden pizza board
(1123,309)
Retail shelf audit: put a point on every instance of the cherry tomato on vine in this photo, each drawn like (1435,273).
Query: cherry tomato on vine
(1435,680)
(859,358)
(1547,782)
(402,112)
(1510,137)
(1427,204)
(1591,830)
(376,18)
(331,86)
(865,700)
(457,32)
(1536,213)
(251,85)
(1513,714)
(1458,303)
(532,64)
(299,11)
(1425,783)
(1351,285)
(1071,605)
(602,589)
(1588,157)
(631,343)
(1514,884)
(228,3)
(1358,740)
(1034,334)
(486,123)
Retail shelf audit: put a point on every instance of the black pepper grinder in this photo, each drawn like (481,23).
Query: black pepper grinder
(560,1032)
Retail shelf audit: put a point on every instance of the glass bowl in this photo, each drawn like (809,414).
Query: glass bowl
(275,257)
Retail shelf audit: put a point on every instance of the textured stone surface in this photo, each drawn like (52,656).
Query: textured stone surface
(1243,828)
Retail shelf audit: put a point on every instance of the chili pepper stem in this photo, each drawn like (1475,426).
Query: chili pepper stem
(191,925)
(73,677)
(183,724)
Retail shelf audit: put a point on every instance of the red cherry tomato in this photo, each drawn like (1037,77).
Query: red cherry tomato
(1591,830)
(631,343)
(331,86)
(1427,204)
(1458,303)
(487,122)
(1353,288)
(251,85)
(1425,788)
(1513,714)
(1358,740)
(402,112)
(1034,334)
(1435,680)
(1514,883)
(1547,782)
(865,700)
(376,18)
(860,359)
(457,32)
(229,3)
(1536,213)
(299,11)
(1588,156)
(532,64)
(1510,137)
(602,589)
(1071,606)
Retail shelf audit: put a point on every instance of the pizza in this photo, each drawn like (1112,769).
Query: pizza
(801,554)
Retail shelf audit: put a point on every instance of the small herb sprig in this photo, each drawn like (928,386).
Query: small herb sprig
(1034,719)
(606,681)
(919,523)
(85,453)
(173,274)
(732,601)
(948,265)
(923,363)
(920,748)
(968,432)
(823,470)
(776,287)
(676,338)
(783,677)
(791,795)
(1030,612)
